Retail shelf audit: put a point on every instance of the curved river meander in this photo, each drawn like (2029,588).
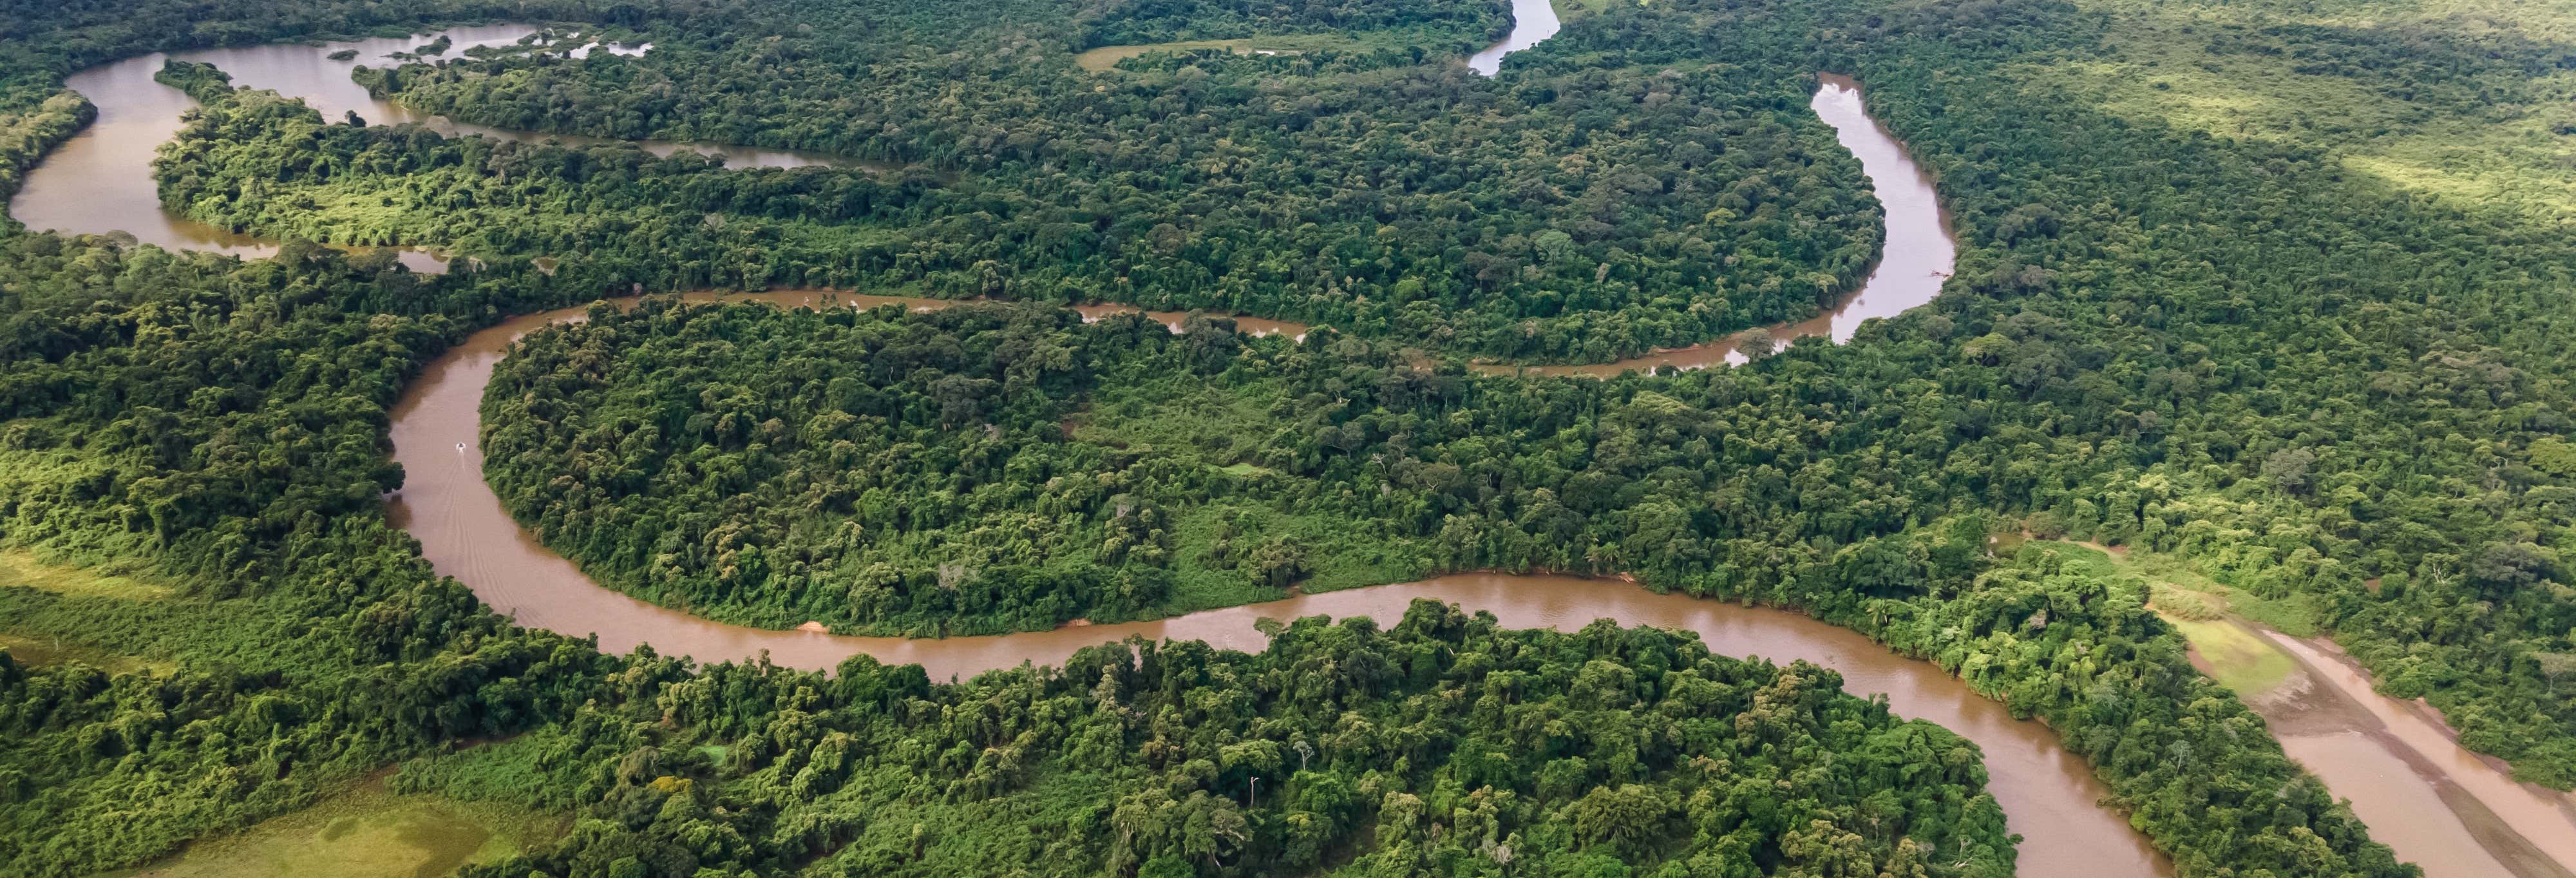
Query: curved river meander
(100,181)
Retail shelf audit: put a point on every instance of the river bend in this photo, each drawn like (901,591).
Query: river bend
(2049,796)
(100,181)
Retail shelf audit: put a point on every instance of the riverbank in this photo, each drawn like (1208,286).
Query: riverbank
(2451,811)
(100,180)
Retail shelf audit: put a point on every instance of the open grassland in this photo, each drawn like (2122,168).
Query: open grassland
(22,568)
(366,833)
(37,651)
(2470,102)
(2239,658)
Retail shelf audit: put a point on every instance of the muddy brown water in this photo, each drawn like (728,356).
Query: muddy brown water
(2439,805)
(2048,795)
(100,180)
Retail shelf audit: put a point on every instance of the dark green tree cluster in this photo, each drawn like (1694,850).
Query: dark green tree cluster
(2238,350)
(1440,469)
(871,470)
(226,420)
(1636,209)
(2322,388)
(1438,745)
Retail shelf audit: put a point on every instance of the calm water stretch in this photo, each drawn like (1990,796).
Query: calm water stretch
(1532,21)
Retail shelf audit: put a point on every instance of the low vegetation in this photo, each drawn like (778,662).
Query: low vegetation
(366,833)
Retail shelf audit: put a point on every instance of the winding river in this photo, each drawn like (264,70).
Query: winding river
(100,181)
(2048,795)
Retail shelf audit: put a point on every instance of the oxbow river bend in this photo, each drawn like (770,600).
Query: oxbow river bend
(2435,803)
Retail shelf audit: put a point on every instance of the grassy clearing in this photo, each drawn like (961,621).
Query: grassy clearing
(1221,428)
(2200,608)
(33,646)
(1568,9)
(366,833)
(2179,590)
(38,651)
(1335,558)
(22,568)
(1107,57)
(2241,659)
(2180,603)
(1218,424)
(2187,66)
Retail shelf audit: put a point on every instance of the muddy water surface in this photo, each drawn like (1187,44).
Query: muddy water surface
(2048,794)
(2438,805)
(100,180)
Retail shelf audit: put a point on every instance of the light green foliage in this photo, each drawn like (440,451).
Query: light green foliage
(367,833)
(2240,658)
(2465,101)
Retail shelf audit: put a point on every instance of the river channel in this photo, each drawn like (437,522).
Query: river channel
(100,181)
(2452,811)
(2048,795)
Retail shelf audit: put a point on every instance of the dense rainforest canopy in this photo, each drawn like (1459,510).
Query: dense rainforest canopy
(1630,210)
(2310,353)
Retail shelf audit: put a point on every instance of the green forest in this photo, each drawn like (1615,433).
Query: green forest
(2274,288)
(1721,203)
